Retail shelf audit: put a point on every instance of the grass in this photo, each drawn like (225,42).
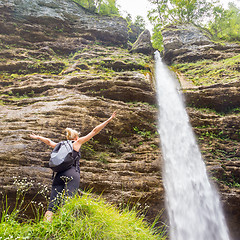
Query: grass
(208,72)
(228,181)
(82,218)
(235,111)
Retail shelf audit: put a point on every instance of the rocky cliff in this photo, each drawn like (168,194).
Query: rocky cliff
(61,66)
(210,80)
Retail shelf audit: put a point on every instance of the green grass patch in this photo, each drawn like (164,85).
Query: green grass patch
(18,97)
(235,111)
(144,133)
(83,218)
(208,72)
(230,182)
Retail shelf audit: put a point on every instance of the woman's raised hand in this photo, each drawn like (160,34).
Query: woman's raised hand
(113,115)
(34,136)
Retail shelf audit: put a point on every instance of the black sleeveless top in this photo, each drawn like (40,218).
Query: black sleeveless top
(76,155)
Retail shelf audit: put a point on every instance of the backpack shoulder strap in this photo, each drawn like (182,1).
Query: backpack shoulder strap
(68,145)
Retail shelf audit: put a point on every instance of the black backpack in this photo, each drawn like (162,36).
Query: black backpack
(61,157)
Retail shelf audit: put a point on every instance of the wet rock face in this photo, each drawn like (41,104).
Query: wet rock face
(61,67)
(187,43)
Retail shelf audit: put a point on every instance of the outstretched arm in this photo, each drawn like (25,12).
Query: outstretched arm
(95,131)
(43,139)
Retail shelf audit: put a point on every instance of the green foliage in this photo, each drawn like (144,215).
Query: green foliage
(235,111)
(231,182)
(175,11)
(140,22)
(102,7)
(129,18)
(144,133)
(108,8)
(103,157)
(210,135)
(179,11)
(83,218)
(115,144)
(10,214)
(157,38)
(225,24)
(88,150)
(88,4)
(10,92)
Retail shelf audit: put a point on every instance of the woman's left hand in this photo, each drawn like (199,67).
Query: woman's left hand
(34,136)
(113,115)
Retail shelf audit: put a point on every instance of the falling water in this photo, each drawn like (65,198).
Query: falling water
(193,205)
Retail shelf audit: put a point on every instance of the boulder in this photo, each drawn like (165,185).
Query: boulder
(188,43)
(143,44)
(220,97)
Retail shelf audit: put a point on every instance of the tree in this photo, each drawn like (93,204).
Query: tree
(103,7)
(98,4)
(181,11)
(225,23)
(157,38)
(108,7)
(140,22)
(129,18)
(176,11)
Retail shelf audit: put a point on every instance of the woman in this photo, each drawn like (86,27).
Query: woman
(69,179)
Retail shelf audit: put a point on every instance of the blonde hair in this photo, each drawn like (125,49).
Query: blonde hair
(71,134)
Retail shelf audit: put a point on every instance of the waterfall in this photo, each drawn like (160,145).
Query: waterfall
(193,205)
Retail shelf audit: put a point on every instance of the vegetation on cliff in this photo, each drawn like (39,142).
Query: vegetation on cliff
(208,72)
